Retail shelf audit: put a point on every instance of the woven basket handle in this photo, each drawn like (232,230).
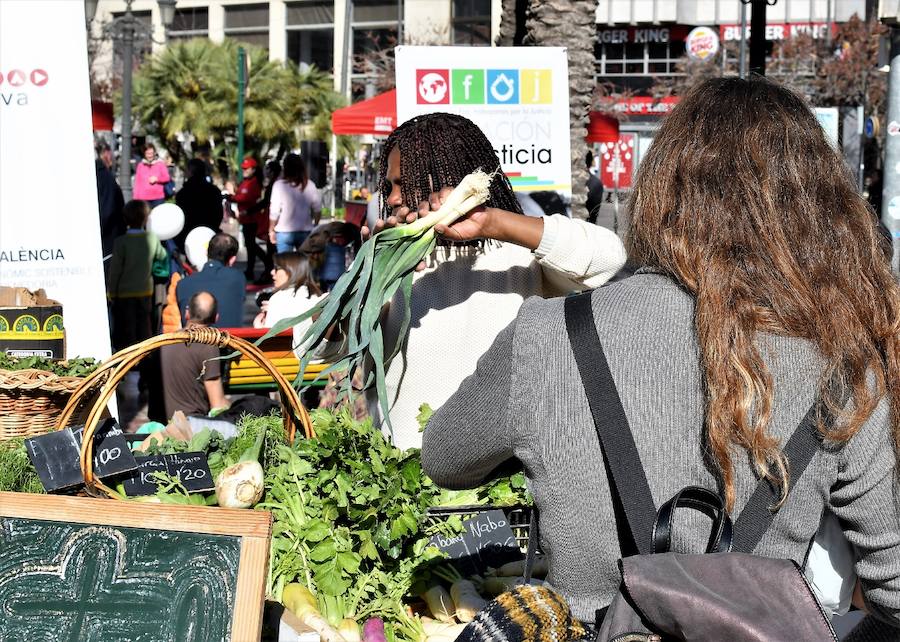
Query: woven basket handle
(111,373)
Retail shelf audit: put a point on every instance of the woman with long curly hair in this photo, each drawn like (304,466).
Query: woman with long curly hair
(764,287)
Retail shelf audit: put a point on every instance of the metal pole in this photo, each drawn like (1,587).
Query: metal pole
(399,22)
(828,23)
(127,64)
(758,38)
(890,210)
(242,88)
(345,59)
(742,65)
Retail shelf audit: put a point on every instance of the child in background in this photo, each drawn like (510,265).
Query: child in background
(130,286)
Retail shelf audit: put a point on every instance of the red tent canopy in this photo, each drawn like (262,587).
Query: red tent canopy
(102,114)
(377,116)
(602,128)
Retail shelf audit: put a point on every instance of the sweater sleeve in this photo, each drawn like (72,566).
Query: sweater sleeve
(276,203)
(469,436)
(577,255)
(864,499)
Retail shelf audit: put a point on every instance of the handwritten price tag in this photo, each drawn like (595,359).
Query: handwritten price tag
(191,469)
(487,540)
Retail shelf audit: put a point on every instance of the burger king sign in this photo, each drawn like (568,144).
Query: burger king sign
(702,43)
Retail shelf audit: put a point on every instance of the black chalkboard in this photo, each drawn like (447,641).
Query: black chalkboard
(486,540)
(113,571)
(192,469)
(55,456)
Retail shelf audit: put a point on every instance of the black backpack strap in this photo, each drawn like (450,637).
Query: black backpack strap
(628,483)
(758,515)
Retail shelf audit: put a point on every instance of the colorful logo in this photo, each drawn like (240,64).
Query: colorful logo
(503,86)
(536,86)
(484,86)
(432,86)
(702,43)
(468,86)
(26,323)
(54,323)
(19,77)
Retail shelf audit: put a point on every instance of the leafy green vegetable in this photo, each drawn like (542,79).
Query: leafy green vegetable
(424,416)
(77,367)
(16,472)
(348,508)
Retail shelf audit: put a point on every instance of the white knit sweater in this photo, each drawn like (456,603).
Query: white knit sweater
(465,297)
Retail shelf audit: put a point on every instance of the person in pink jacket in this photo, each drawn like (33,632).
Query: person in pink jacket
(150,177)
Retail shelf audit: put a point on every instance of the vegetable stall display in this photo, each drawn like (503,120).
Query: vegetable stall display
(350,553)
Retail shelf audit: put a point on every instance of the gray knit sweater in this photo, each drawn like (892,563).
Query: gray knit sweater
(526,400)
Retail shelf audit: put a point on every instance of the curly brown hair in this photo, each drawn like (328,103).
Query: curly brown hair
(742,200)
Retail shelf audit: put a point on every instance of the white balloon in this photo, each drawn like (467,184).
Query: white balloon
(166,221)
(195,244)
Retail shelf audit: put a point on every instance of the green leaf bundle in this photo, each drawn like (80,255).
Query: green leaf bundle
(383,266)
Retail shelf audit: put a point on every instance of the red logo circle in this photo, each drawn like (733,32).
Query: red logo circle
(1,77)
(16,77)
(39,77)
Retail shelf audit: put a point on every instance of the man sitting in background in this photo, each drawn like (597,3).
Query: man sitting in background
(192,373)
(219,278)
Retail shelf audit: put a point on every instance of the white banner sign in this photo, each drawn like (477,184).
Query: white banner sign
(49,222)
(519,96)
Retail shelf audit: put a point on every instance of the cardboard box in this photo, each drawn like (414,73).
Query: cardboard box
(31,324)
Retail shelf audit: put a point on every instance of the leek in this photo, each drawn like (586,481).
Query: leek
(383,266)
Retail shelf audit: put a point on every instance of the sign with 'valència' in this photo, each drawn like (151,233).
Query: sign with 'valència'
(519,96)
(49,222)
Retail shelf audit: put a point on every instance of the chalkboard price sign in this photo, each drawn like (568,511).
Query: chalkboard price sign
(191,469)
(486,540)
(55,456)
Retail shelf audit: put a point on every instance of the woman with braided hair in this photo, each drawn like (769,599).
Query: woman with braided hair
(484,267)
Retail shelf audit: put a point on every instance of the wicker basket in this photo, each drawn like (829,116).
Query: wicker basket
(112,371)
(31,402)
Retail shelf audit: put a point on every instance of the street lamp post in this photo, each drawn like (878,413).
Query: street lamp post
(126,29)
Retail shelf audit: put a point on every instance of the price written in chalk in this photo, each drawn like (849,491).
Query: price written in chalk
(55,456)
(486,540)
(190,469)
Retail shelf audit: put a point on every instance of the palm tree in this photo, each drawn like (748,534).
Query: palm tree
(172,92)
(190,90)
(569,24)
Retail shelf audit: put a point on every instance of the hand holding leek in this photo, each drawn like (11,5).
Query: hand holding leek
(383,266)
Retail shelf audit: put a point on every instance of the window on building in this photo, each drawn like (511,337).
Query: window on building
(189,23)
(374,30)
(310,33)
(471,22)
(248,23)
(637,58)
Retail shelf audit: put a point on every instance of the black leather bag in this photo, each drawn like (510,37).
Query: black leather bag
(726,594)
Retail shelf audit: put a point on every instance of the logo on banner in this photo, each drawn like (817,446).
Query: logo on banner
(15,78)
(468,86)
(503,86)
(536,86)
(702,43)
(14,84)
(484,86)
(433,86)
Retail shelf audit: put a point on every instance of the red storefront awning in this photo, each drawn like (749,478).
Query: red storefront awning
(102,116)
(376,116)
(602,128)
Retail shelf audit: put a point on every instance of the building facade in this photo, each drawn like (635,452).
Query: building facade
(311,32)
